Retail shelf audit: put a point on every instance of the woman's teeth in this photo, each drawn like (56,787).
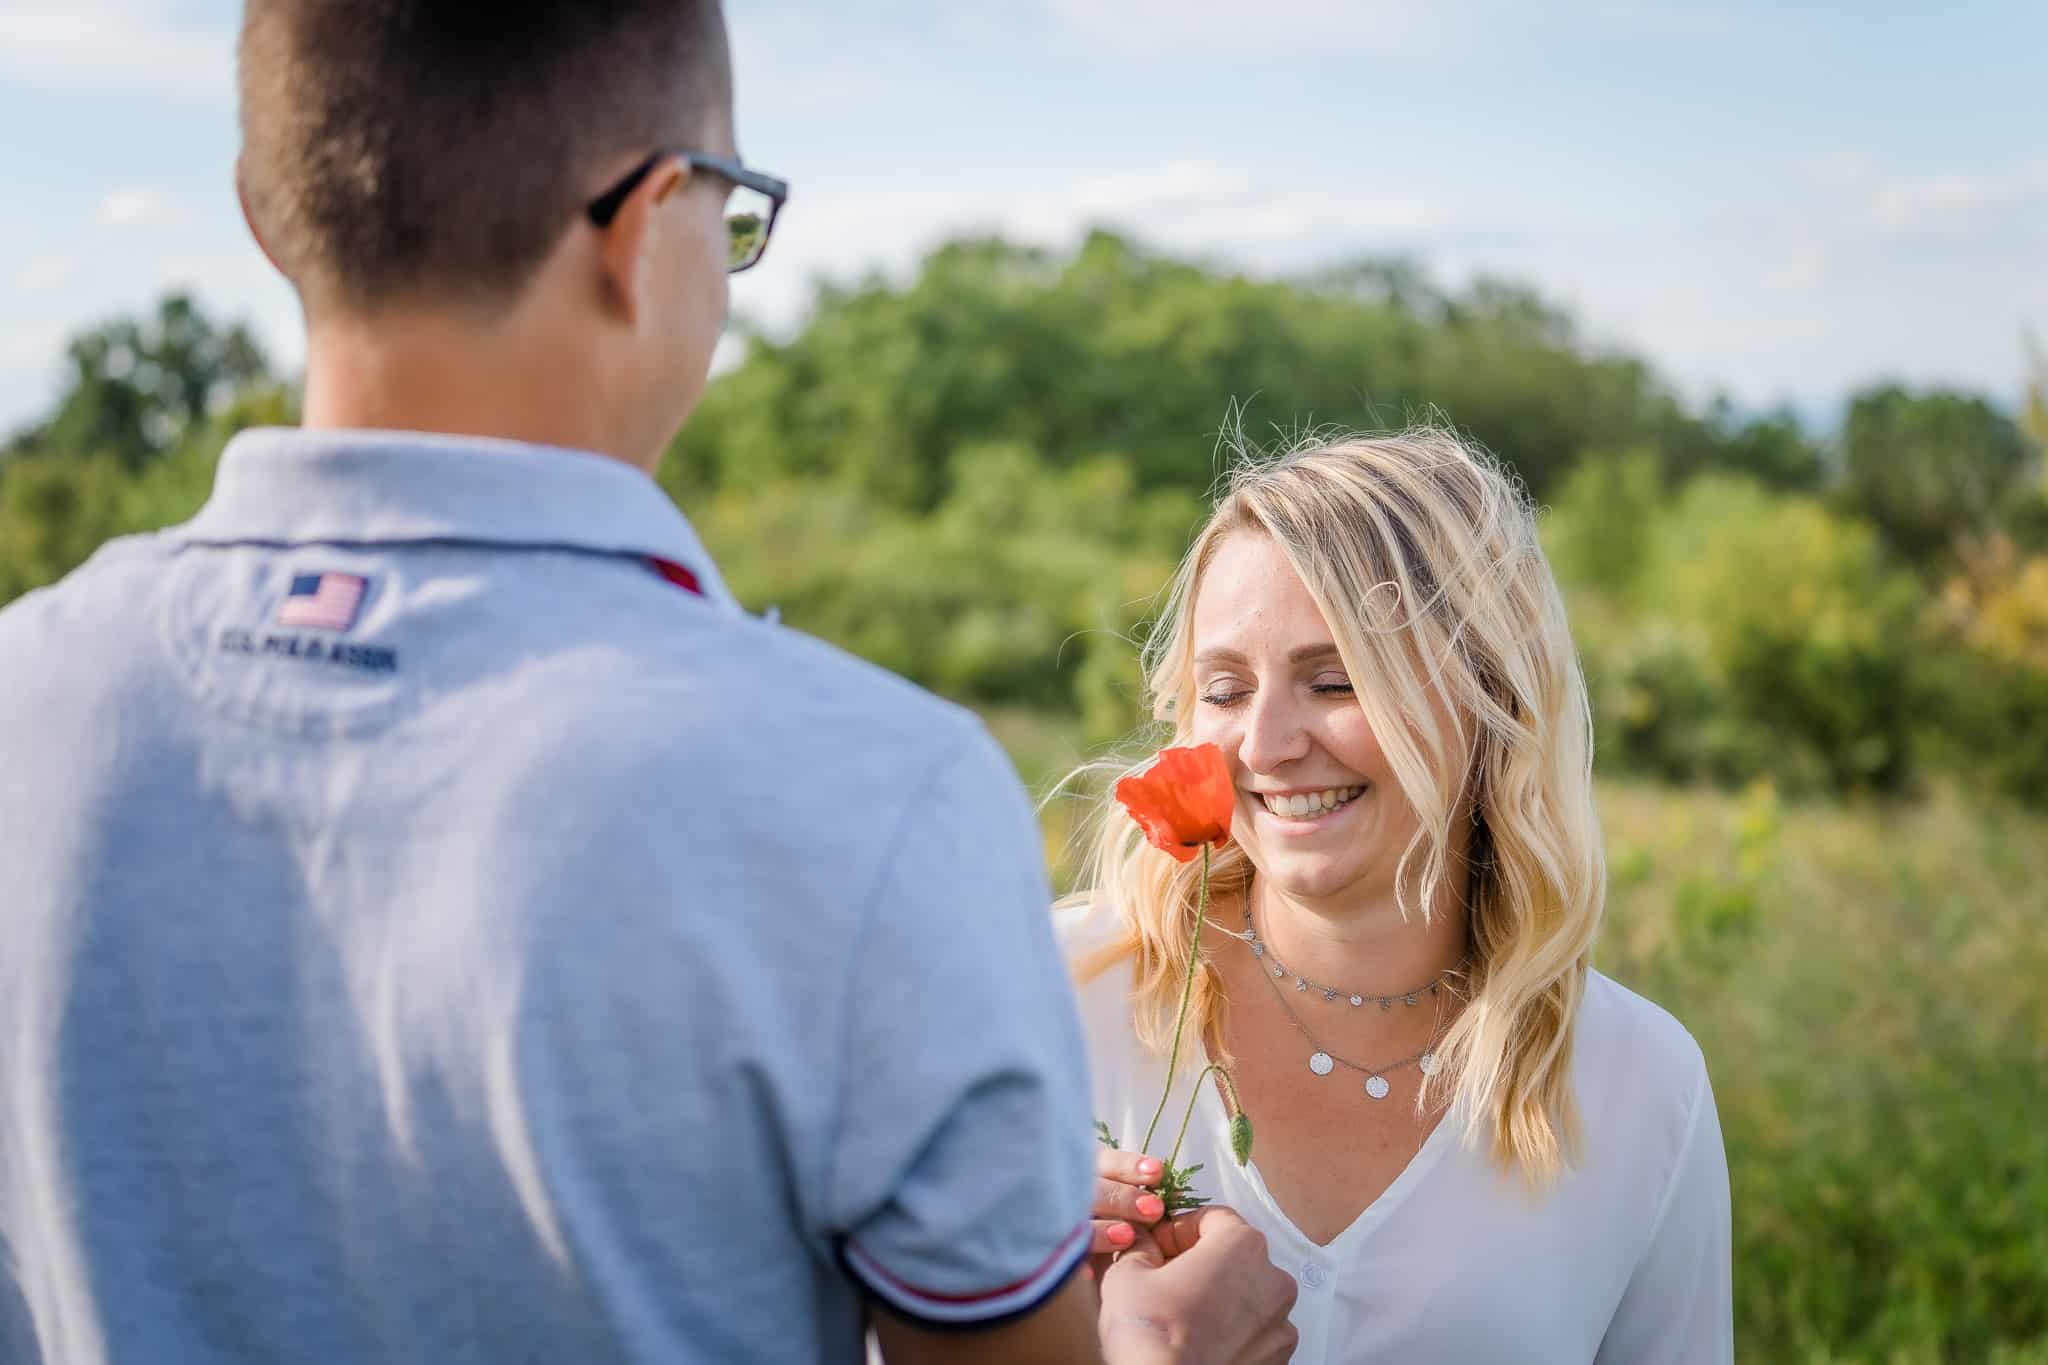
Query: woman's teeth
(1309,805)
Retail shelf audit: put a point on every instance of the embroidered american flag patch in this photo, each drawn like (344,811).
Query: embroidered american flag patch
(323,601)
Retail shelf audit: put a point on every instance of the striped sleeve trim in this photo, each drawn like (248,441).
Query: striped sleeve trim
(986,1306)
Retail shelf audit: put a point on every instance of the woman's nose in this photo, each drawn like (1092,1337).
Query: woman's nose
(1274,733)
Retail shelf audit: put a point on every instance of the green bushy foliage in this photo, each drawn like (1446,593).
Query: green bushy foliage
(1022,587)
(54,512)
(1729,631)
(1116,349)
(1932,471)
(1865,984)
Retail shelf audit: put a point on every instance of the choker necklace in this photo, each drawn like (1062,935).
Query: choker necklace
(1331,993)
(1322,1061)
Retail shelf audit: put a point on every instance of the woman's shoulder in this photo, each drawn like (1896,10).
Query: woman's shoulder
(1635,1030)
(1639,1070)
(1091,932)
(1086,923)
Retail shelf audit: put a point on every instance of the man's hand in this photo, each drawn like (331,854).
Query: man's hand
(1199,1291)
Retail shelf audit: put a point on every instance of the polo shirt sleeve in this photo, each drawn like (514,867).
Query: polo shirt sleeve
(1679,1304)
(961,1166)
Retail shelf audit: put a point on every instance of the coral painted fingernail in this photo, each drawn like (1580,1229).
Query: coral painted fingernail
(1150,1169)
(1150,1206)
(1121,1234)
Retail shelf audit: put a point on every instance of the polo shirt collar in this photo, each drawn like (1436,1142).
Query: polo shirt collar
(286,485)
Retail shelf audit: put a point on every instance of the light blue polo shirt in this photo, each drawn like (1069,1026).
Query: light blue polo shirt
(428,933)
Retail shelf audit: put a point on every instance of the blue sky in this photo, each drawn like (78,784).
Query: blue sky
(1779,201)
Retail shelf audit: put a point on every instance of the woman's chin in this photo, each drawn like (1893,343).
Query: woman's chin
(1310,877)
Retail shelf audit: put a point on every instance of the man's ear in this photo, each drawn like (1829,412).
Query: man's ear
(249,219)
(626,247)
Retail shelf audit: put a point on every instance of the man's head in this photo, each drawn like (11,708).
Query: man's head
(410,157)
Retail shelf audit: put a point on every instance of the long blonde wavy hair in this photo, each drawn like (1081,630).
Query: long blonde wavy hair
(1422,555)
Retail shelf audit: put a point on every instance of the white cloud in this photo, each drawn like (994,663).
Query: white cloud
(113,45)
(136,208)
(1183,206)
(1954,204)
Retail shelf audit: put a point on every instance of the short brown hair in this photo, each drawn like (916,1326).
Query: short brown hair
(437,149)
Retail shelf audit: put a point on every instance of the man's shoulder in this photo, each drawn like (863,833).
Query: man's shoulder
(88,611)
(770,748)
(779,690)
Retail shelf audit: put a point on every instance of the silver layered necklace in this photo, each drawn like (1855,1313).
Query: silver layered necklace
(1331,993)
(1322,1061)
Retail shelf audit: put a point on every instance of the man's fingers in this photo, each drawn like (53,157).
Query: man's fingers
(1180,1233)
(1276,1344)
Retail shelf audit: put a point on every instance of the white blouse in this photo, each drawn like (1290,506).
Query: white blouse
(1625,1260)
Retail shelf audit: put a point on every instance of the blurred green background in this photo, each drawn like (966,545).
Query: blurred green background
(1819,664)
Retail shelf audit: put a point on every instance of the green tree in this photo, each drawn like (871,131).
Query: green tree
(135,386)
(2034,406)
(1935,472)
(1116,351)
(55,510)
(1810,634)
(1773,448)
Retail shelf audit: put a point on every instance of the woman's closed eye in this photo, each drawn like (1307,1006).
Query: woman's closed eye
(1226,696)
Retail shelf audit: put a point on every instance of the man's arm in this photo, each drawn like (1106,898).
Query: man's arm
(1062,1328)
(1204,1293)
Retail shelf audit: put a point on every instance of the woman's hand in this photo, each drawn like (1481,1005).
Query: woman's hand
(1125,1209)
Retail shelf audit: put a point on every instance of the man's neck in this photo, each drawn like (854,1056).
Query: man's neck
(424,372)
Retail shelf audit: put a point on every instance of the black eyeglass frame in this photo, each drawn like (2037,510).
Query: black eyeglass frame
(606,206)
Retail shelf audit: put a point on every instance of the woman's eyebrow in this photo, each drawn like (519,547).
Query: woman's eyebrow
(1299,654)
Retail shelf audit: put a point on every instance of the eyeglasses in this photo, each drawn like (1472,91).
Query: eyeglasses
(750,208)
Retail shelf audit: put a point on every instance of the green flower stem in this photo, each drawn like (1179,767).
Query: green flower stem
(1188,1117)
(1187,989)
(1236,1104)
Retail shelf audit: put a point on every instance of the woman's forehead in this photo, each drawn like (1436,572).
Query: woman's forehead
(1250,598)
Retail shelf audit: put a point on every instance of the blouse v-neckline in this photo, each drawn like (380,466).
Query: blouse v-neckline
(1373,1214)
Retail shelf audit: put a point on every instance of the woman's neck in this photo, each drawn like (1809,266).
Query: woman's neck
(1365,947)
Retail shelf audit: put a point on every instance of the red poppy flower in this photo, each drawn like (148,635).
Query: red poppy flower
(1183,801)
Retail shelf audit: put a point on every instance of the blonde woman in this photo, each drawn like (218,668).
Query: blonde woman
(1470,1146)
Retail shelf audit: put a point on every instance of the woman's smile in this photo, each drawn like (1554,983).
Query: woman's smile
(1305,810)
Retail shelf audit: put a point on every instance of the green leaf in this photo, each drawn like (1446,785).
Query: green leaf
(1104,1136)
(1241,1138)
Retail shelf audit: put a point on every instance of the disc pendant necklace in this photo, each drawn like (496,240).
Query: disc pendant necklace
(1322,1061)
